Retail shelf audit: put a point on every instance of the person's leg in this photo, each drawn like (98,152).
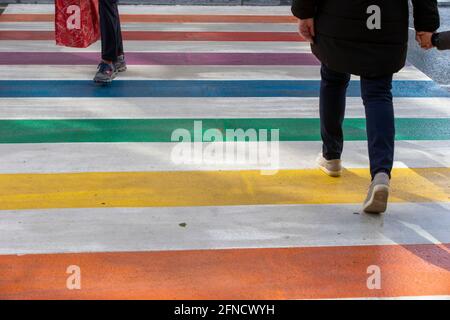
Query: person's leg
(333,90)
(110,30)
(378,102)
(113,60)
(119,63)
(377,98)
(119,33)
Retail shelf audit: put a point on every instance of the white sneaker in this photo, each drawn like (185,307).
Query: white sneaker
(378,195)
(333,168)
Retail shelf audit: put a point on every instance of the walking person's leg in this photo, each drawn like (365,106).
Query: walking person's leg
(120,63)
(378,102)
(113,60)
(333,91)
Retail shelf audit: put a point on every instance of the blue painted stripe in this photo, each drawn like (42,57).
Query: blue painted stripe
(202,88)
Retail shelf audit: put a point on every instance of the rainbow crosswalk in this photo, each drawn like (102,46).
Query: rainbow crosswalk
(88,177)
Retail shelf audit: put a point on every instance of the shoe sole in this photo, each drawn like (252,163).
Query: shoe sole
(334,174)
(378,201)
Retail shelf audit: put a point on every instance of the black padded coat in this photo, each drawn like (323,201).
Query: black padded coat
(344,42)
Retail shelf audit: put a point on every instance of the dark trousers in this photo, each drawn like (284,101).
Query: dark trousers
(377,98)
(112,45)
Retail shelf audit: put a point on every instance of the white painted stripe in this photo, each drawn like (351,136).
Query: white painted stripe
(164,46)
(132,157)
(182,27)
(158,9)
(410,73)
(158,229)
(168,72)
(194,108)
(420,231)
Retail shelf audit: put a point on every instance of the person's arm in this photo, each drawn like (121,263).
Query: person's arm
(305,10)
(426,15)
(426,21)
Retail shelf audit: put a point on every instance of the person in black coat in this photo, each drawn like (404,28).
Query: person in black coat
(369,39)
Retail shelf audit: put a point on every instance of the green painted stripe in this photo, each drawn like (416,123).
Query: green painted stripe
(160,130)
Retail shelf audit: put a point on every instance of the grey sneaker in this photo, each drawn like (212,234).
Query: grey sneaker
(377,198)
(333,168)
(106,73)
(120,64)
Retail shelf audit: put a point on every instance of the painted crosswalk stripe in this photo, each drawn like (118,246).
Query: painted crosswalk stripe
(185,70)
(326,272)
(217,188)
(168,36)
(164,46)
(133,157)
(211,228)
(200,88)
(165,27)
(165,18)
(161,58)
(161,130)
(164,10)
(194,108)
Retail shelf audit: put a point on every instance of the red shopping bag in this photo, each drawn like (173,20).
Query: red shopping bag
(76,23)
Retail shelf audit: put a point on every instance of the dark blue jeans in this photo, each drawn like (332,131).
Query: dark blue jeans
(112,45)
(377,98)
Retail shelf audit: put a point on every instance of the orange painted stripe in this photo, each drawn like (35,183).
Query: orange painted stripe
(293,273)
(163,18)
(167,36)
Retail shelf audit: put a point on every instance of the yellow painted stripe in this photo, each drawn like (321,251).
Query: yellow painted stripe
(155,189)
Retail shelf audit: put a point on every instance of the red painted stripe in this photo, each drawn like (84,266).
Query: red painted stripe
(167,36)
(163,18)
(294,273)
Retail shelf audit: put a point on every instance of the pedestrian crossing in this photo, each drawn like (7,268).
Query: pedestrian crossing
(92,175)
